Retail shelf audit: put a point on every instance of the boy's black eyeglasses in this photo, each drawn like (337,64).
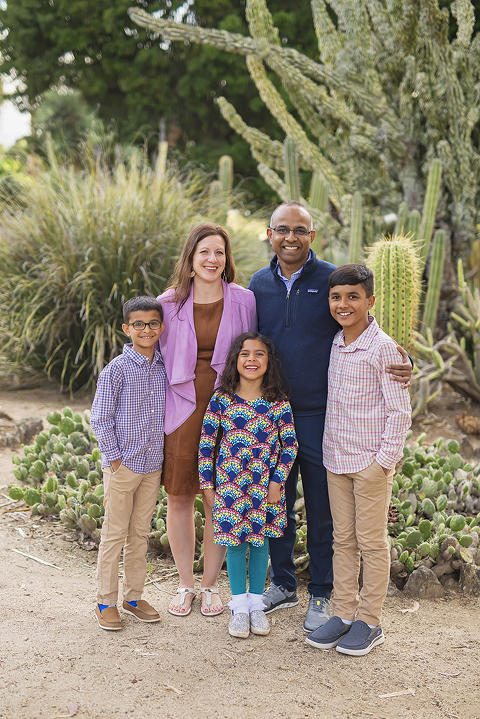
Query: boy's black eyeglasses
(299,231)
(154,325)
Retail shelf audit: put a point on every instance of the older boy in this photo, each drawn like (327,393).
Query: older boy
(366,423)
(127,417)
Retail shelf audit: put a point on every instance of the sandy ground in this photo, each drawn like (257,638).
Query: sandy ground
(53,653)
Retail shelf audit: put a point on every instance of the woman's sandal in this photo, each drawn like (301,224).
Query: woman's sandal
(183,591)
(208,591)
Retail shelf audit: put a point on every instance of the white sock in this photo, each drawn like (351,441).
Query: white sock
(255,602)
(373,626)
(348,622)
(239,604)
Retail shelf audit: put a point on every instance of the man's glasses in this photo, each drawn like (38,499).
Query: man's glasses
(154,325)
(284,231)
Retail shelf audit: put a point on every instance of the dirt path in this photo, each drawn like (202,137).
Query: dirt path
(52,651)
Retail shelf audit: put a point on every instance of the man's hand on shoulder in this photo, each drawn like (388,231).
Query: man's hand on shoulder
(401,372)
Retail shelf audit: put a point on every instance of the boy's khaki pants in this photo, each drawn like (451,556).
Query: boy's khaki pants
(129,502)
(359,504)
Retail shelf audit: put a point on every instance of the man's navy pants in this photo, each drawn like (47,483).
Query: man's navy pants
(309,430)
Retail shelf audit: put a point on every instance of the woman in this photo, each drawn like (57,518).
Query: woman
(204,311)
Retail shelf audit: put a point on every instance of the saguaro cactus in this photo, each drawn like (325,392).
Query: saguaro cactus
(396,266)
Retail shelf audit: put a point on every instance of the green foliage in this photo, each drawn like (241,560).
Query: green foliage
(66,118)
(82,244)
(389,95)
(135,80)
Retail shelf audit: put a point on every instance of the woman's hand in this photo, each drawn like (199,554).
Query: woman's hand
(401,372)
(209,497)
(274,493)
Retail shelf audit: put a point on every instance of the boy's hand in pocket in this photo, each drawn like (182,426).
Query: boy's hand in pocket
(115,464)
(274,493)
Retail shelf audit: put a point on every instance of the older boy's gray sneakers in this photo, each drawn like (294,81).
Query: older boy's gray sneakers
(318,613)
(329,635)
(277,597)
(360,639)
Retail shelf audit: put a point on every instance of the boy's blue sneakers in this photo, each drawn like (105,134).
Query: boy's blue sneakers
(329,635)
(360,639)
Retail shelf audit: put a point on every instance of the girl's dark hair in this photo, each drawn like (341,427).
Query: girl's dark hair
(181,280)
(272,386)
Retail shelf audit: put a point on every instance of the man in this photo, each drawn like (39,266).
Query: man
(293,311)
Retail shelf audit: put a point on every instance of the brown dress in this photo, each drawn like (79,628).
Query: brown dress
(180,464)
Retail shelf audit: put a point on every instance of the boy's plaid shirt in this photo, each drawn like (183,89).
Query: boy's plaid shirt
(368,413)
(129,409)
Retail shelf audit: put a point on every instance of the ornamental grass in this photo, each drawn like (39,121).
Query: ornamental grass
(79,245)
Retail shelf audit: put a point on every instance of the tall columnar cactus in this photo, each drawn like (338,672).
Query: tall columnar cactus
(402,220)
(220,191)
(429,209)
(396,267)
(434,282)
(356,229)
(225,174)
(413,225)
(366,118)
(292,179)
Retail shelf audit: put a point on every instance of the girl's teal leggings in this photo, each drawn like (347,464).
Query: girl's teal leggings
(257,568)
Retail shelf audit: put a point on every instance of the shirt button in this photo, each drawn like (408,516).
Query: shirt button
(151,392)
(153,411)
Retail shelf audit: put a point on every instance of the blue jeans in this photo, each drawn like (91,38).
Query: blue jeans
(309,431)
(257,568)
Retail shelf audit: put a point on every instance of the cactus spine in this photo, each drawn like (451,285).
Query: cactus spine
(356,229)
(396,267)
(429,209)
(434,282)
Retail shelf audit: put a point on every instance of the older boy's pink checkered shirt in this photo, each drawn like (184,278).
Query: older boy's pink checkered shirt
(368,414)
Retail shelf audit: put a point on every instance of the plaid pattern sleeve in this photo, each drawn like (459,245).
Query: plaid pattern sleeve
(129,409)
(368,414)
(288,448)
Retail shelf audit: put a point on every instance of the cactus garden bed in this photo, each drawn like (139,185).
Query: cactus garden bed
(434,518)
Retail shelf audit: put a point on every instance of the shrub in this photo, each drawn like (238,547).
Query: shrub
(79,246)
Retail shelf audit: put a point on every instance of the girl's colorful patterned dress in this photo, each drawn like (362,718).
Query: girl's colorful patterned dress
(258,445)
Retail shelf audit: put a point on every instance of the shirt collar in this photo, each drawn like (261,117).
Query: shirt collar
(294,274)
(140,359)
(362,342)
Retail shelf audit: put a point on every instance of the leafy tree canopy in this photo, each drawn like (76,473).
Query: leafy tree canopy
(134,80)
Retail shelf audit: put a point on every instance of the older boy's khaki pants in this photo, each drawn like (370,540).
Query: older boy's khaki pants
(359,504)
(129,502)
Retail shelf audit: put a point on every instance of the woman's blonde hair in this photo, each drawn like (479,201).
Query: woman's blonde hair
(181,280)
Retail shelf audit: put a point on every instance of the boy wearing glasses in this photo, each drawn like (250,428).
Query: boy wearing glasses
(127,417)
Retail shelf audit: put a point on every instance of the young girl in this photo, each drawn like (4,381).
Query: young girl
(254,457)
